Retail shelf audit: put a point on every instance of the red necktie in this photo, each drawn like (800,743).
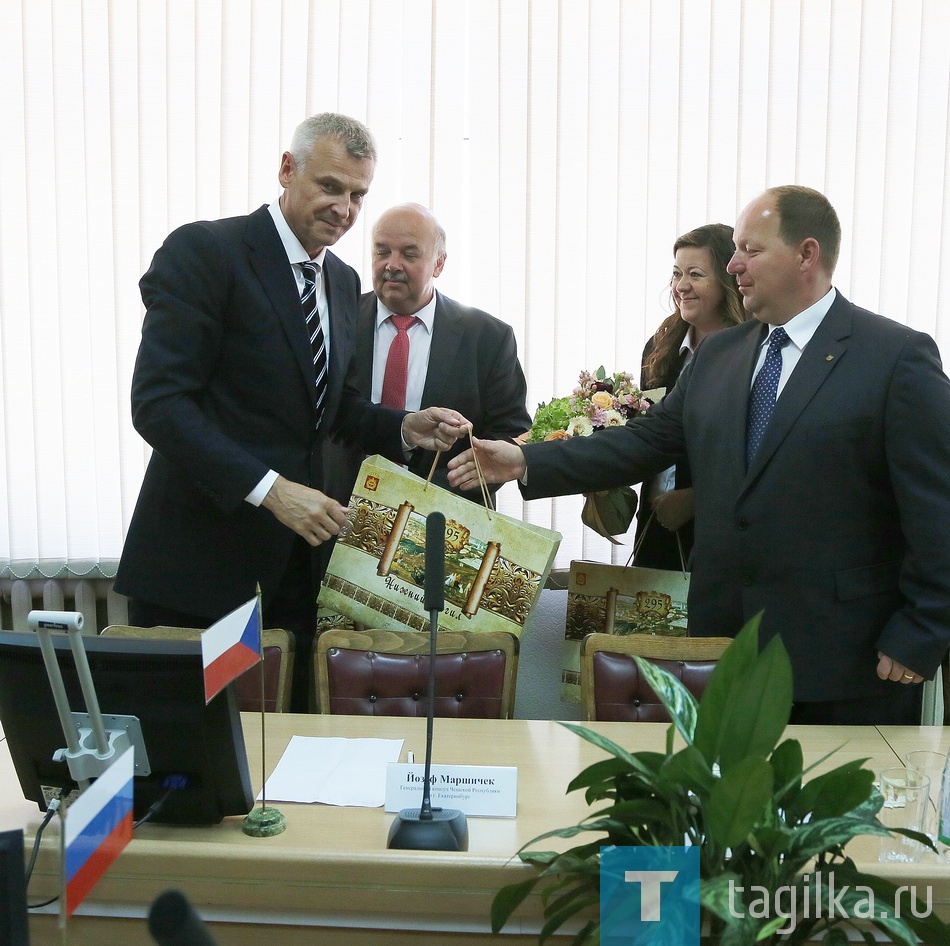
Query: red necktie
(397,363)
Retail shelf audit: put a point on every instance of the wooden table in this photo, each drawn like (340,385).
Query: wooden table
(329,879)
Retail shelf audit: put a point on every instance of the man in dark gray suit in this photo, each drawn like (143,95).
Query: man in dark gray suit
(824,505)
(246,342)
(456,356)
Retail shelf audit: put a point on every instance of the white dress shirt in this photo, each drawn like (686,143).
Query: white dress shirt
(296,255)
(800,329)
(666,481)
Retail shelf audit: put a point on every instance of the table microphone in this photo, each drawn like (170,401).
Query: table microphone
(173,922)
(428,828)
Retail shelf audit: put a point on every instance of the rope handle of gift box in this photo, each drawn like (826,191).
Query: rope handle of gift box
(643,535)
(482,484)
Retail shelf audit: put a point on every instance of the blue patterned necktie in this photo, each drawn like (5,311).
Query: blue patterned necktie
(318,346)
(763,394)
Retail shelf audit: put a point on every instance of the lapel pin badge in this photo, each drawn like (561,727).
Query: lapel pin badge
(829,357)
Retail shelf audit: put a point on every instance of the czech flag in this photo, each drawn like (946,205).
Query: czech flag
(98,827)
(231,646)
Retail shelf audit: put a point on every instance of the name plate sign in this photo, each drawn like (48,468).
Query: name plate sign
(489,791)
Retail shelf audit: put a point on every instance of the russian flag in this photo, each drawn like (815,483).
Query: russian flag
(98,827)
(231,646)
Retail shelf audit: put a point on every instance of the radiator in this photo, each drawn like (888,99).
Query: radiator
(85,587)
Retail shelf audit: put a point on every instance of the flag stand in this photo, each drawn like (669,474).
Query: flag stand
(263,822)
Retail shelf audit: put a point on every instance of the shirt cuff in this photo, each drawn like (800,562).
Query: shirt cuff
(256,496)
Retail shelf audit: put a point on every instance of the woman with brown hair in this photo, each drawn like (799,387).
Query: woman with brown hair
(705,299)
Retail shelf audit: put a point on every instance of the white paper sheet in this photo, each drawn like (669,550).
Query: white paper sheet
(333,771)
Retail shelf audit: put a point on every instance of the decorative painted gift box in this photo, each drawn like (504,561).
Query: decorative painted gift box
(495,566)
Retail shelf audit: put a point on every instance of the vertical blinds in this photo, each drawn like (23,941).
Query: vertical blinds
(564,145)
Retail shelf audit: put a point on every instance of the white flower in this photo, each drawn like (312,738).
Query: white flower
(613,419)
(580,426)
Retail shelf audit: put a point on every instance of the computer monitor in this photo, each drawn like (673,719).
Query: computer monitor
(159,681)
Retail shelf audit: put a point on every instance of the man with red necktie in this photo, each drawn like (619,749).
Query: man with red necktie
(416,347)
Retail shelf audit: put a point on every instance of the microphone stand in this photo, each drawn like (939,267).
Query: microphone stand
(427,828)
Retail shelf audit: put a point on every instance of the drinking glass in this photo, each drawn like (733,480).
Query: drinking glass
(906,794)
(929,764)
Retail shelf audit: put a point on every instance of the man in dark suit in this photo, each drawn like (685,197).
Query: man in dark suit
(247,338)
(829,514)
(457,356)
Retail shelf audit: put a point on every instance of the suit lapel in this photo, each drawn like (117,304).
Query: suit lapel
(341,330)
(736,375)
(447,331)
(818,360)
(269,261)
(365,344)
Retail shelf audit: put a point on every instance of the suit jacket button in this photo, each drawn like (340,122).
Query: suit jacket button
(747,580)
(743,524)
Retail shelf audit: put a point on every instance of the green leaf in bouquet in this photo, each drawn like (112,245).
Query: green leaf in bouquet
(550,416)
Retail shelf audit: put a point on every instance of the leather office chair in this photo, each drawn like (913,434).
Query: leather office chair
(277,645)
(385,673)
(612,687)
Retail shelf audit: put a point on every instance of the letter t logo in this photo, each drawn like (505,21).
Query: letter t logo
(649,881)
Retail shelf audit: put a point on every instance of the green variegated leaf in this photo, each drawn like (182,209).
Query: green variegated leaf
(538,858)
(771,927)
(763,703)
(737,801)
(588,934)
(787,762)
(686,770)
(816,836)
(719,695)
(679,702)
(609,746)
(579,861)
(836,792)
(557,918)
(772,840)
(604,771)
(836,937)
(717,895)
(508,899)
(928,927)
(849,898)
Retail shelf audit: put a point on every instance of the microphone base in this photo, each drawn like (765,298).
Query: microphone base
(447,831)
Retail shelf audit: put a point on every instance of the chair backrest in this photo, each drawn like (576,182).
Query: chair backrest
(385,673)
(612,687)
(277,645)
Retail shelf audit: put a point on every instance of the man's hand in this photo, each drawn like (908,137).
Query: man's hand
(499,460)
(890,669)
(307,511)
(435,428)
(675,508)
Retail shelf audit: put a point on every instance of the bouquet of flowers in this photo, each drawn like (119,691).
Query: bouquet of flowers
(599,400)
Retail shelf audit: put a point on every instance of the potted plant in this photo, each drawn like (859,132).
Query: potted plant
(741,795)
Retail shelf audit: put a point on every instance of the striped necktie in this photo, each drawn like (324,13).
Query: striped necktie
(318,345)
